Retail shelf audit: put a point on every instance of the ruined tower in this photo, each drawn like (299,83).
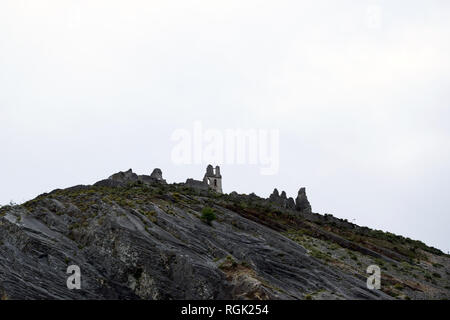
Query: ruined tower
(213,178)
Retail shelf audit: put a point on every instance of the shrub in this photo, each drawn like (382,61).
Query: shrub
(177,196)
(208,215)
(398,286)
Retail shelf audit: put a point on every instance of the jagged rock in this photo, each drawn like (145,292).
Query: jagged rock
(301,202)
(125,177)
(274,196)
(253,196)
(122,178)
(155,177)
(290,204)
(282,200)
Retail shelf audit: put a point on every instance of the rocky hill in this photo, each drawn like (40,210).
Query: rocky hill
(137,237)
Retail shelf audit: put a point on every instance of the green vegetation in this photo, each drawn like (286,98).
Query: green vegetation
(428,277)
(151,215)
(352,255)
(177,196)
(208,215)
(320,255)
(228,263)
(398,286)
(391,292)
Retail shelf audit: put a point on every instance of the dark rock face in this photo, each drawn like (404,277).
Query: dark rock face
(153,250)
(138,240)
(301,202)
(275,196)
(290,204)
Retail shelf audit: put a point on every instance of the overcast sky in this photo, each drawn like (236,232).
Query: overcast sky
(359,91)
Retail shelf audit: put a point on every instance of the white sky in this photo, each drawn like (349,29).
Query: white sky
(89,88)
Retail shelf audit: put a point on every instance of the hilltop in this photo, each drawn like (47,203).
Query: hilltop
(137,237)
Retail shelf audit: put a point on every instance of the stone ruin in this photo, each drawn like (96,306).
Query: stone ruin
(213,178)
(211,181)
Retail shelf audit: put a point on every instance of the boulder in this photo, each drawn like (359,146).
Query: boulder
(157,175)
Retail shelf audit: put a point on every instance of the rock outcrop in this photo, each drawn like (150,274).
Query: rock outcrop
(125,177)
(139,239)
(121,179)
(301,202)
(282,200)
(157,175)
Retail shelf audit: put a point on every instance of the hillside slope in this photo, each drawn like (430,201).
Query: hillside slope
(147,240)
